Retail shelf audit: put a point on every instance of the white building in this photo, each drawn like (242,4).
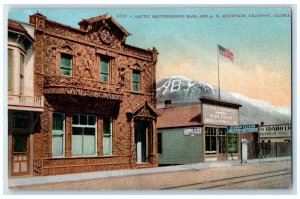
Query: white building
(23,106)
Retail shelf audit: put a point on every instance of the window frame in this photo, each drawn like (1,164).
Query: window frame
(110,136)
(21,67)
(135,71)
(63,134)
(108,59)
(211,134)
(60,64)
(82,134)
(10,90)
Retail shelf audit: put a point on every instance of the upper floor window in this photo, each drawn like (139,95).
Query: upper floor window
(104,69)
(10,69)
(65,64)
(136,81)
(21,73)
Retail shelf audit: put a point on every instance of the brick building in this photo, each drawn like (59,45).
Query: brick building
(99,98)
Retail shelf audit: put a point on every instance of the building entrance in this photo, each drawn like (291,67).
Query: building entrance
(20,154)
(215,144)
(141,141)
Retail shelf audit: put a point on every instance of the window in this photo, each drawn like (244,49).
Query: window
(65,64)
(107,136)
(233,142)
(10,69)
(210,140)
(83,135)
(21,74)
(58,134)
(159,143)
(136,81)
(20,143)
(104,69)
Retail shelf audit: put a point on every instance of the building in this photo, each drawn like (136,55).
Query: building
(99,98)
(24,107)
(179,135)
(198,133)
(275,133)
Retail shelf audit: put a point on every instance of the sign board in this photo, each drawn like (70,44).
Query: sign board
(219,115)
(275,131)
(250,128)
(192,131)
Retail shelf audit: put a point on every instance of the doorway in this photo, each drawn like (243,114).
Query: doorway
(20,154)
(141,129)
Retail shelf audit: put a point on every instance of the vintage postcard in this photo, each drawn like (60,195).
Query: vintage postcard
(149,99)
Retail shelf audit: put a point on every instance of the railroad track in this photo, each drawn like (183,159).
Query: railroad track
(218,183)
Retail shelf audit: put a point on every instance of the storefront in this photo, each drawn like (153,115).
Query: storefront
(217,115)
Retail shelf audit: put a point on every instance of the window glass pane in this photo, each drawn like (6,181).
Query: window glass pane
(136,76)
(213,143)
(58,121)
(21,64)
(107,145)
(89,141)
(91,119)
(65,61)
(83,119)
(106,126)
(136,87)
(20,143)
(77,141)
(10,68)
(104,77)
(57,145)
(66,72)
(159,143)
(104,66)
(75,119)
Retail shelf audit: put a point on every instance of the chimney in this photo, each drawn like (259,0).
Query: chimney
(168,104)
(262,123)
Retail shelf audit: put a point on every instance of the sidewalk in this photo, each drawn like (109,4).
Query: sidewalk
(17,182)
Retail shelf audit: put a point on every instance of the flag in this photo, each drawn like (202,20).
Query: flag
(225,52)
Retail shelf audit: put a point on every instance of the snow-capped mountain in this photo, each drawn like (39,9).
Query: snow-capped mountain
(182,91)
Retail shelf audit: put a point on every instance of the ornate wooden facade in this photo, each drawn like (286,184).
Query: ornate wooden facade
(82,92)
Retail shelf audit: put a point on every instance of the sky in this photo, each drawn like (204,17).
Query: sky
(259,38)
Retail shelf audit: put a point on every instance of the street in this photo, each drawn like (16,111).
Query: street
(266,175)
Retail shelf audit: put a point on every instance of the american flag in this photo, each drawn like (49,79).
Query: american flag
(226,53)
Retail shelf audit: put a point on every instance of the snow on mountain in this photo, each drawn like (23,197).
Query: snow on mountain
(183,91)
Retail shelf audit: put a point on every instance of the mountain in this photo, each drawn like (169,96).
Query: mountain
(182,91)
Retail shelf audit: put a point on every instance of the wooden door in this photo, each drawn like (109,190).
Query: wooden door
(20,154)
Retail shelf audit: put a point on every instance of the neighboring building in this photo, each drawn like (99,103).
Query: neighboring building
(275,133)
(99,98)
(24,107)
(198,133)
(179,135)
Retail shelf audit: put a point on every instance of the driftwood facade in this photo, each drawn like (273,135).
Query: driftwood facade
(99,98)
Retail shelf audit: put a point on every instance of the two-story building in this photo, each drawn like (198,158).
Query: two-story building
(99,98)
(24,107)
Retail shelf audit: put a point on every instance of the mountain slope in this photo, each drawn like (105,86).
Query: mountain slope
(182,91)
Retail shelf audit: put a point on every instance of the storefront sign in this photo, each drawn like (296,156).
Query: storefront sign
(275,131)
(192,131)
(219,115)
(251,128)
(89,93)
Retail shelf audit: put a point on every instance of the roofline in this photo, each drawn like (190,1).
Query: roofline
(221,102)
(21,22)
(184,126)
(275,124)
(25,34)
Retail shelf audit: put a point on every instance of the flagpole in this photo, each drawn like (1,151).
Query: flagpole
(218,52)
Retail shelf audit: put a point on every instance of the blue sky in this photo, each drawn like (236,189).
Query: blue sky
(188,46)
